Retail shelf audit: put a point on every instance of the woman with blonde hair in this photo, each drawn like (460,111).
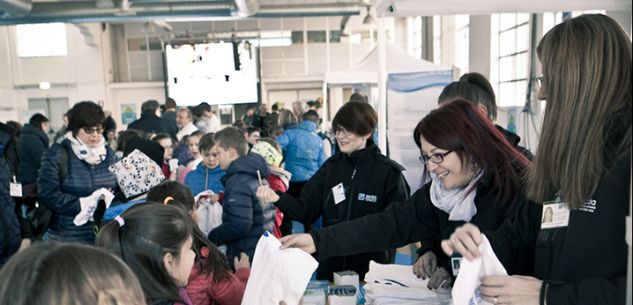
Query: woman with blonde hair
(68,274)
(582,170)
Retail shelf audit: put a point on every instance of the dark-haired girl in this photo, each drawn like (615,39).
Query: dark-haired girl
(155,241)
(211,280)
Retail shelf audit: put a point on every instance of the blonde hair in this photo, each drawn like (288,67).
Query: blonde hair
(587,73)
(68,274)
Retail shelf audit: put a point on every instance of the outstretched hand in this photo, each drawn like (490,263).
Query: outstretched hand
(302,241)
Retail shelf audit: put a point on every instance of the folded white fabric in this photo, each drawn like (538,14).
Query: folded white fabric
(396,284)
(278,275)
(466,287)
(89,205)
(136,173)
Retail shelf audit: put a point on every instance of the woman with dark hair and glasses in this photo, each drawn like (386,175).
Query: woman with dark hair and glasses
(357,181)
(474,174)
(74,175)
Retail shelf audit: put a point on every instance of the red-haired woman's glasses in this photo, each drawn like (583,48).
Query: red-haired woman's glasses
(436,158)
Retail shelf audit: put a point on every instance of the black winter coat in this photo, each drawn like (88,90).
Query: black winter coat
(244,218)
(151,123)
(417,219)
(10,235)
(584,263)
(371,183)
(32,144)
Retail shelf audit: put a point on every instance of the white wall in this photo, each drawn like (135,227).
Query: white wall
(78,76)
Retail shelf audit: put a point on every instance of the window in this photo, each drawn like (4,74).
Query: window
(510,42)
(415,36)
(462,35)
(40,40)
(437,40)
(316,36)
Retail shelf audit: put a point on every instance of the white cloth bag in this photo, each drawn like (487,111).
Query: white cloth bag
(278,275)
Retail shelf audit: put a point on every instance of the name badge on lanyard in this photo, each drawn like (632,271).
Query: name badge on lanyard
(555,214)
(15,188)
(339,193)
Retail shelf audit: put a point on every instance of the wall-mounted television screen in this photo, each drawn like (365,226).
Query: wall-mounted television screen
(218,73)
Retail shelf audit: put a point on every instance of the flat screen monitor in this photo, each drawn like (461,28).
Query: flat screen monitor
(218,73)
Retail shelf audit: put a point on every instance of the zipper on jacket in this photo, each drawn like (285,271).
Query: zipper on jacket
(349,205)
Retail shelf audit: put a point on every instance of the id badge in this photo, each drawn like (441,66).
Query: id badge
(555,214)
(15,188)
(339,193)
(456,261)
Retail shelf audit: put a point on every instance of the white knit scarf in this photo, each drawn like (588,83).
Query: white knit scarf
(459,205)
(92,155)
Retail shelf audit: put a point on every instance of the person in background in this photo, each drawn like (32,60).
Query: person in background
(193,144)
(75,190)
(358,97)
(32,144)
(151,122)
(184,120)
(211,280)
(109,126)
(279,178)
(252,135)
(475,176)
(208,120)
(584,163)
(240,125)
(244,218)
(275,130)
(10,231)
(475,88)
(287,119)
(124,137)
(15,127)
(170,110)
(208,173)
(298,109)
(249,116)
(155,241)
(271,119)
(303,156)
(357,181)
(68,274)
(170,164)
(59,135)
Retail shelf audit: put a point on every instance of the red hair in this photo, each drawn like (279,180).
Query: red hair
(459,126)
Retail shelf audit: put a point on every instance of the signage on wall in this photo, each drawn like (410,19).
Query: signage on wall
(128,113)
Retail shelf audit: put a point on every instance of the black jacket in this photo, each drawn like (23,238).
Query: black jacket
(514,139)
(32,144)
(151,123)
(584,263)
(417,219)
(244,218)
(371,182)
(10,235)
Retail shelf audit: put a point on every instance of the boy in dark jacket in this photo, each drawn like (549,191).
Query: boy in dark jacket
(244,218)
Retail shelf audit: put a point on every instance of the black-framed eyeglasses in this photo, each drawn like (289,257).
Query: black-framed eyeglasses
(344,132)
(436,158)
(92,130)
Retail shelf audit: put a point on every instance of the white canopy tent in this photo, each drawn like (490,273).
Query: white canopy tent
(414,86)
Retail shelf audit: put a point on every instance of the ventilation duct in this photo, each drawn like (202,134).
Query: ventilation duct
(15,8)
